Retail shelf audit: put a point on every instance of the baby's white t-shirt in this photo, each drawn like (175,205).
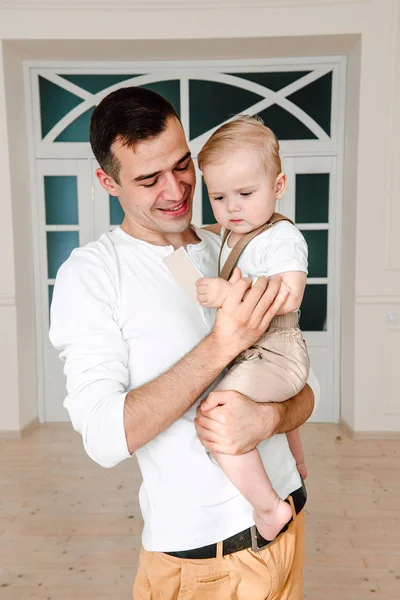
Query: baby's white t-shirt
(279,249)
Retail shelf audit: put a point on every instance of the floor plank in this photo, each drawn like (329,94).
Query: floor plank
(69,529)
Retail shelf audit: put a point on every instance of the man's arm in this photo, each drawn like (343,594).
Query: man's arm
(112,420)
(242,319)
(240,424)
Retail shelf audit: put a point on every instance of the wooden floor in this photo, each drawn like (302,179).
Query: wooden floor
(70,529)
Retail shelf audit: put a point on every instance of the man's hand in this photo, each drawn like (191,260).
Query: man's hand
(229,423)
(247,312)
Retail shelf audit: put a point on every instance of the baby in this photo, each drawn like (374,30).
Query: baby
(242,170)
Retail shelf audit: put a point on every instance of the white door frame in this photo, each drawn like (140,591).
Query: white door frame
(211,71)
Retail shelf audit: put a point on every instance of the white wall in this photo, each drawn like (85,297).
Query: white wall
(349,238)
(9,395)
(366,30)
(22,231)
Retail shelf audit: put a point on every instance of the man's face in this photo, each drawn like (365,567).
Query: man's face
(157,181)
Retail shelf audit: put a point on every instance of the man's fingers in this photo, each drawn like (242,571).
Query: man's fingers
(236,275)
(267,299)
(204,428)
(215,448)
(213,400)
(254,295)
(236,293)
(204,422)
(273,309)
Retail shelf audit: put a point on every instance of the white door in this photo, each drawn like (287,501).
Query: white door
(310,201)
(300,99)
(65,222)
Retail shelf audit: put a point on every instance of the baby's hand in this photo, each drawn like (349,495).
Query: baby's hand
(211,292)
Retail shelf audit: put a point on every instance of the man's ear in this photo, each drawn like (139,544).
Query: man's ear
(280,185)
(107,182)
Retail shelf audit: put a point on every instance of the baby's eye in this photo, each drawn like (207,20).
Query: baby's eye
(218,198)
(246,193)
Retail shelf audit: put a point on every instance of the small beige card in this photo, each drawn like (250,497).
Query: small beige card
(184,271)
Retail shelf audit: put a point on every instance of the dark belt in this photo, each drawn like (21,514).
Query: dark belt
(249,538)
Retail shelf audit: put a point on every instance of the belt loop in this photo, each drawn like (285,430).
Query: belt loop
(294,514)
(219,550)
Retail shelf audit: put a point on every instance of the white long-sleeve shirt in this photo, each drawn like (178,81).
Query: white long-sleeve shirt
(119,320)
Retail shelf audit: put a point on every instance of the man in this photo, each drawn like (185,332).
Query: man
(139,354)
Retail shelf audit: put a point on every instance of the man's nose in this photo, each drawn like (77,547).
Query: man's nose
(173,189)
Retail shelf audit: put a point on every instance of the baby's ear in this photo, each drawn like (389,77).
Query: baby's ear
(280,185)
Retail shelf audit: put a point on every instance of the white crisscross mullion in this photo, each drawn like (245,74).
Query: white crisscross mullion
(66,85)
(94,99)
(197,143)
(270,97)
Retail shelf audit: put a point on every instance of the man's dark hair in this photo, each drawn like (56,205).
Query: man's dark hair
(131,115)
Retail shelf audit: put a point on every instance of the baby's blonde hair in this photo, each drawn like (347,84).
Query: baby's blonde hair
(245,131)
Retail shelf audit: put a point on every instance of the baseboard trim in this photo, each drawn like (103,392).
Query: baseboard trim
(367,435)
(19,434)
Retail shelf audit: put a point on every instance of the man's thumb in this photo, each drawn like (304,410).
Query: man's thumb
(236,275)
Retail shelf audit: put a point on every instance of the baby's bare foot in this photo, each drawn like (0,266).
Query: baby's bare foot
(302,469)
(269,523)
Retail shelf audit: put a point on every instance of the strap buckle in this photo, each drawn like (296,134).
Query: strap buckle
(254,540)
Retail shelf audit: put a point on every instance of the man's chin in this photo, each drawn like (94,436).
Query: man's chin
(178,226)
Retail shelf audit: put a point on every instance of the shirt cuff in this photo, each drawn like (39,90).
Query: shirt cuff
(105,439)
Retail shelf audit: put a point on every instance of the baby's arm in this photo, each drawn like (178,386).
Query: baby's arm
(212,291)
(295,283)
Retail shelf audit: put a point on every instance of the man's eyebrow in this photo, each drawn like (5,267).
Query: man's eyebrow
(151,175)
(181,160)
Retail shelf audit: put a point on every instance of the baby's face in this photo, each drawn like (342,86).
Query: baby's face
(242,193)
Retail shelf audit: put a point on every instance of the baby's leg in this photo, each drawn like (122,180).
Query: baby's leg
(247,473)
(275,370)
(296,448)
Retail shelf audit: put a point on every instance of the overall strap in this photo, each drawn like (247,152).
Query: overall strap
(240,245)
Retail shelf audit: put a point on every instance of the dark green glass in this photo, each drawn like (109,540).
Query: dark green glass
(96,83)
(116,212)
(55,103)
(208,215)
(312,198)
(317,242)
(316,100)
(61,199)
(212,103)
(78,130)
(274,81)
(313,310)
(59,246)
(51,290)
(285,125)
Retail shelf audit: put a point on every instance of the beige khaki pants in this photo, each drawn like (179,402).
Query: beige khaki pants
(275,368)
(275,573)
